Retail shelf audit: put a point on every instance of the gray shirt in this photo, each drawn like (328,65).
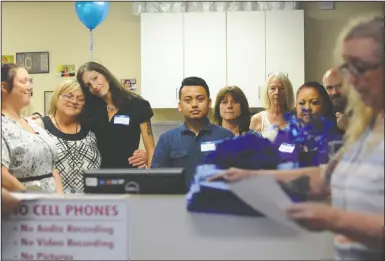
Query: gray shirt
(27,154)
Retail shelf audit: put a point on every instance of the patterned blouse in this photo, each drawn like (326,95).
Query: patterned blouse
(76,153)
(27,154)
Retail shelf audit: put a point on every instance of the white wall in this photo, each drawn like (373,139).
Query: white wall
(54,27)
(322,28)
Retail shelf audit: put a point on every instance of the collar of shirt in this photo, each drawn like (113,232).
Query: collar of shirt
(207,127)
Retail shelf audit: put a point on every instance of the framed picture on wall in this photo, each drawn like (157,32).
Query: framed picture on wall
(7,59)
(34,62)
(47,100)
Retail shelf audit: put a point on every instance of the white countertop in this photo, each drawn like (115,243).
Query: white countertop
(162,229)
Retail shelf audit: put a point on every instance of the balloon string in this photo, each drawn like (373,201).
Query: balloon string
(91,44)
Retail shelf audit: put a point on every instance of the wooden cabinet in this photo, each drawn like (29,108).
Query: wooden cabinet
(246,53)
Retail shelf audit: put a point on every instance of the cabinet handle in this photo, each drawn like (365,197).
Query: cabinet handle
(176,94)
(259,92)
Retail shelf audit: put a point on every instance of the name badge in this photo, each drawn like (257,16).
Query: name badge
(288,148)
(122,120)
(208,146)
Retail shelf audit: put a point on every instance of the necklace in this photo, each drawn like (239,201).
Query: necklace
(57,124)
(111,108)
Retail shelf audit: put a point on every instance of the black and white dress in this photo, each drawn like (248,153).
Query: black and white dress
(75,154)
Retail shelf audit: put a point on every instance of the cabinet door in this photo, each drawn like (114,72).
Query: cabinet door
(285,50)
(205,48)
(161,58)
(246,53)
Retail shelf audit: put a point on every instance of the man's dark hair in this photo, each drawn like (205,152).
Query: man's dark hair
(194,81)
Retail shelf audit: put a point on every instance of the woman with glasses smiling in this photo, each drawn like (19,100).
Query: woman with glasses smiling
(76,145)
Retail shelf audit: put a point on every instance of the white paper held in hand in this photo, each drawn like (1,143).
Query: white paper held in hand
(264,194)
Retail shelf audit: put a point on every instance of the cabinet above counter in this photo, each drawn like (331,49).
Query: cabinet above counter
(223,48)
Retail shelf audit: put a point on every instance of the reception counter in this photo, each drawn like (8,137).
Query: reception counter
(162,229)
(101,227)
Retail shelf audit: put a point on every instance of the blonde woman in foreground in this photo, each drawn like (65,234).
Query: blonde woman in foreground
(355,177)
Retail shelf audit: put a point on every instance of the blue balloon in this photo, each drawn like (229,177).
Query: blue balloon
(91,14)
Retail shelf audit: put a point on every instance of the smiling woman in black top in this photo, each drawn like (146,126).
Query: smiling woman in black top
(75,144)
(117,116)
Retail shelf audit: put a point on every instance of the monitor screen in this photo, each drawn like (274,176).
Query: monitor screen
(135,181)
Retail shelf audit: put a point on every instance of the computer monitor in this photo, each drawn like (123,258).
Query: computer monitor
(169,181)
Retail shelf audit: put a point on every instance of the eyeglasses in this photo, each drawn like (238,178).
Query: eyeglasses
(73,99)
(358,70)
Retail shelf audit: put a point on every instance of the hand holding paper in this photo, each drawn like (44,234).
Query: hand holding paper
(264,194)
(315,217)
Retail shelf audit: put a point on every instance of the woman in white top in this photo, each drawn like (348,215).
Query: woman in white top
(277,99)
(28,153)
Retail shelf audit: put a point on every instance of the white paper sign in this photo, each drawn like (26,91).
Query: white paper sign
(67,228)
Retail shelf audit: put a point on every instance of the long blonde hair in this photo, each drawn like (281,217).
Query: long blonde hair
(371,26)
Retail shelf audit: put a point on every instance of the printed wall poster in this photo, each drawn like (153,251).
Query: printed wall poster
(34,62)
(130,84)
(7,59)
(66,70)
